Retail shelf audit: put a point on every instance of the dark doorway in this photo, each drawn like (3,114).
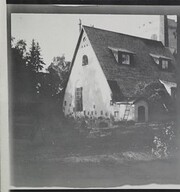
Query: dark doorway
(141,113)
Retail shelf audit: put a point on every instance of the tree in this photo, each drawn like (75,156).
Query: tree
(34,59)
(23,80)
(58,74)
(20,46)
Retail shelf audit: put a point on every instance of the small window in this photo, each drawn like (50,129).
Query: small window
(84,112)
(88,113)
(64,103)
(78,99)
(84,60)
(116,113)
(94,106)
(101,112)
(106,114)
(91,112)
(126,59)
(95,112)
(111,102)
(165,64)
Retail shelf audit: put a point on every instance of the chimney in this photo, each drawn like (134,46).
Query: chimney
(166,35)
(80,25)
(163,36)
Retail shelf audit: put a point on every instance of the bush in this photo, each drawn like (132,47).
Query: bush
(103,124)
(164,142)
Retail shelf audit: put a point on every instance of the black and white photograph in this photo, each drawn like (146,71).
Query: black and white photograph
(92,98)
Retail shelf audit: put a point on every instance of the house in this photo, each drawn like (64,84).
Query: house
(113,73)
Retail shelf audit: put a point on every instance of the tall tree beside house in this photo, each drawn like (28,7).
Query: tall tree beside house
(34,59)
(23,81)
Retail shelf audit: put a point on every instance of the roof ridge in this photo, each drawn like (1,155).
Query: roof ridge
(122,34)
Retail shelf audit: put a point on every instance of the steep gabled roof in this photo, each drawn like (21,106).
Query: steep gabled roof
(144,69)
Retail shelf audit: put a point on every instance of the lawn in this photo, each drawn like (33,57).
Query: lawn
(95,158)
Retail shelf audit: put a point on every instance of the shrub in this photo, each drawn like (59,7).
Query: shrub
(103,124)
(164,142)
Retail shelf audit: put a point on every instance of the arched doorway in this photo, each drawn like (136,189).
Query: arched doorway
(141,113)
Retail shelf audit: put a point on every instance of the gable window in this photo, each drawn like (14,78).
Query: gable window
(116,113)
(122,56)
(125,59)
(165,64)
(78,99)
(84,60)
(162,62)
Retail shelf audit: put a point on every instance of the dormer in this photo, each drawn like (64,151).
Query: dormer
(122,56)
(163,63)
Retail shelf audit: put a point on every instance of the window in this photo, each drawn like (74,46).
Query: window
(84,112)
(165,64)
(101,112)
(78,99)
(116,113)
(91,112)
(84,39)
(84,60)
(126,59)
(122,56)
(64,103)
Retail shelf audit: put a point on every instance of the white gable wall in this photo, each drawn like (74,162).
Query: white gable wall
(96,91)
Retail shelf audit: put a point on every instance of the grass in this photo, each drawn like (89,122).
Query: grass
(64,156)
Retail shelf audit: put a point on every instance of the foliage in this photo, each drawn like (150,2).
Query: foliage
(36,96)
(164,143)
(59,68)
(53,83)
(34,59)
(23,81)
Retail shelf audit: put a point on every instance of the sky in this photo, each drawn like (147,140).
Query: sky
(58,34)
